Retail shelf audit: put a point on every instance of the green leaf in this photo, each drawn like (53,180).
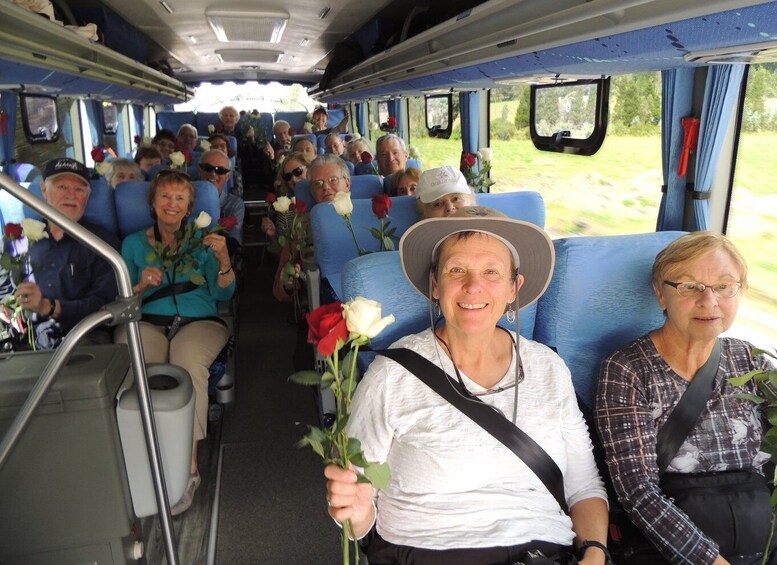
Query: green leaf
(151,256)
(771,415)
(353,447)
(756,352)
(753,397)
(375,233)
(743,379)
(391,232)
(388,243)
(281,240)
(307,378)
(378,474)
(358,460)
(197,278)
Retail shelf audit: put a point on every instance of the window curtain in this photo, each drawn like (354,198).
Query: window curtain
(677,98)
(361,118)
(8,132)
(469,111)
(94,113)
(123,148)
(67,131)
(137,115)
(720,97)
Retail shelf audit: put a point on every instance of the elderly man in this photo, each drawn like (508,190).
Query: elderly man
(186,139)
(215,167)
(68,281)
(391,154)
(281,142)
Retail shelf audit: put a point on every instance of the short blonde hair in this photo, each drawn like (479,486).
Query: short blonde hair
(692,246)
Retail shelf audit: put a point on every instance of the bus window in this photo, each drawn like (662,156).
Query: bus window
(383,112)
(615,191)
(439,116)
(40,118)
(752,222)
(86,134)
(435,151)
(110,119)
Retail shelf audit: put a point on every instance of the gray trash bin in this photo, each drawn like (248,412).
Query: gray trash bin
(172,398)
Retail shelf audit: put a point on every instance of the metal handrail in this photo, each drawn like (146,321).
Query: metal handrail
(126,310)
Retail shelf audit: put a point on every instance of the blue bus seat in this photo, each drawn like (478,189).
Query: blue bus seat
(11,210)
(25,172)
(525,205)
(364,169)
(134,213)
(172,120)
(334,116)
(600,299)
(100,208)
(203,119)
(296,120)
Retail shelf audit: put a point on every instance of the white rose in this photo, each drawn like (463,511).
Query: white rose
(205,145)
(282,204)
(177,159)
(342,203)
(211,128)
(363,318)
(413,152)
(355,136)
(103,168)
(202,221)
(33,230)
(485,154)
(374,125)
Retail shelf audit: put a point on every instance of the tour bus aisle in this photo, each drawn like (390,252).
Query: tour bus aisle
(272,497)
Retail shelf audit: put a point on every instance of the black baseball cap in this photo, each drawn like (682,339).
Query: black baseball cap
(63,166)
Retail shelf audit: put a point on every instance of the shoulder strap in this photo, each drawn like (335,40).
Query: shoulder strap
(487,418)
(687,412)
(170,290)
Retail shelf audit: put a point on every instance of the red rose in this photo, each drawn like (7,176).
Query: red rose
(348,138)
(366,158)
(228,222)
(98,155)
(381,204)
(13,231)
(187,156)
(299,206)
(326,326)
(392,122)
(468,160)
(138,139)
(271,197)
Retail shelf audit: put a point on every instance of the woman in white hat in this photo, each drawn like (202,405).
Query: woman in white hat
(457,494)
(443,191)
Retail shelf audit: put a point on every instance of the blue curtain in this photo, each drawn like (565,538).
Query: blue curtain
(94,113)
(122,149)
(394,107)
(7,139)
(361,118)
(67,131)
(137,115)
(720,96)
(677,99)
(469,110)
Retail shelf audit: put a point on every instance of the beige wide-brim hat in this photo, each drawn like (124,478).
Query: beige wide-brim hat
(531,247)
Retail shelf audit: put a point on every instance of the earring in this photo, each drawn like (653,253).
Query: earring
(510,314)
(436,308)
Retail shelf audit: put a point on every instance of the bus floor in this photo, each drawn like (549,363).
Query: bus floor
(270,498)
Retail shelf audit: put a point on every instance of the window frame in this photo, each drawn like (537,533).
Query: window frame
(439,132)
(31,137)
(103,106)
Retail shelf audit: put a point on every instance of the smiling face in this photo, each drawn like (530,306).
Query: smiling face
(326,181)
(187,139)
(319,119)
(166,147)
(210,164)
(294,171)
(705,317)
(68,193)
(229,117)
(172,203)
(281,135)
(473,283)
(391,156)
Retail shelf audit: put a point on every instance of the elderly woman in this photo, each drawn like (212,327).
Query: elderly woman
(442,191)
(320,118)
(165,141)
(179,320)
(302,144)
(355,148)
(293,170)
(405,183)
(123,170)
(186,140)
(697,280)
(457,494)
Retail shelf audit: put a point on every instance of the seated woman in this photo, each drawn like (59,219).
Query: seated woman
(165,141)
(334,145)
(302,144)
(220,141)
(355,148)
(187,138)
(456,494)
(200,335)
(697,280)
(405,183)
(147,157)
(443,191)
(123,170)
(293,170)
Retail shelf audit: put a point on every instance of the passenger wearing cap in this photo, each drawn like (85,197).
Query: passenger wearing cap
(215,167)
(69,281)
(456,494)
(442,192)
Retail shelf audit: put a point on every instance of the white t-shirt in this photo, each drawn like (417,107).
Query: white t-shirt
(454,485)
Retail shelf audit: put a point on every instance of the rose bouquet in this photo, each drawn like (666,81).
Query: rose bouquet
(336,329)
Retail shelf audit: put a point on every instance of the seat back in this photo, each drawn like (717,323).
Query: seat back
(600,299)
(296,119)
(525,205)
(172,120)
(204,119)
(100,208)
(134,213)
(25,172)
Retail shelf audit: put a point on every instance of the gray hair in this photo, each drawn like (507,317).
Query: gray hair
(123,164)
(280,123)
(322,160)
(187,126)
(388,137)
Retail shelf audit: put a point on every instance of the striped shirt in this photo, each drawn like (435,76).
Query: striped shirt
(637,392)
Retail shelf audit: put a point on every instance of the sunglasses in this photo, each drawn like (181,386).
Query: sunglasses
(213,168)
(298,172)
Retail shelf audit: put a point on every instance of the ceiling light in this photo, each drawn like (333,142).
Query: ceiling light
(324,13)
(248,56)
(305,42)
(247,25)
(192,39)
(166,6)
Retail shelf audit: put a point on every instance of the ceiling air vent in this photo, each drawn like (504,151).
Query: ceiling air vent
(743,54)
(247,25)
(248,55)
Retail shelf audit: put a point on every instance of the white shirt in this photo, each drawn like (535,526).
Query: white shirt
(454,485)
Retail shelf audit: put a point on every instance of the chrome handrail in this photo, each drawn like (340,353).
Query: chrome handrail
(126,310)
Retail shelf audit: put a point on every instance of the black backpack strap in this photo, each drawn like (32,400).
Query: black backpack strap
(170,290)
(687,412)
(512,437)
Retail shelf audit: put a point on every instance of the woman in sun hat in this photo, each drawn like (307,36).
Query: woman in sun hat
(442,192)
(456,493)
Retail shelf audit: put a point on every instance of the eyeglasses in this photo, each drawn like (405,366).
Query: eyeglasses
(331,181)
(694,289)
(208,168)
(298,172)
(171,172)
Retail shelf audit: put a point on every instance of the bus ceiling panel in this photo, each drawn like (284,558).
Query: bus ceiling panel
(597,44)
(48,55)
